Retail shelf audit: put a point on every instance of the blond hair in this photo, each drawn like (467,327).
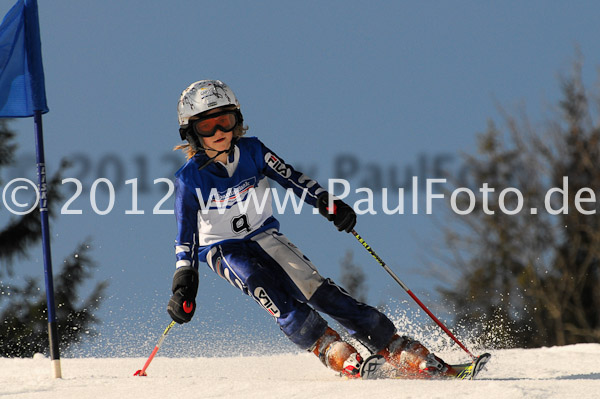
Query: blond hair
(189,151)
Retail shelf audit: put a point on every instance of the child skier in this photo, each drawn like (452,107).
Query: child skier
(221,224)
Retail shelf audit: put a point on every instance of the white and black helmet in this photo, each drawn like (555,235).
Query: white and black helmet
(202,96)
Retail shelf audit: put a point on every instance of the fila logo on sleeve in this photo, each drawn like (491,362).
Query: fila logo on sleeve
(277,165)
(261,296)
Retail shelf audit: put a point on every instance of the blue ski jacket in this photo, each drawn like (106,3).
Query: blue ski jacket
(221,203)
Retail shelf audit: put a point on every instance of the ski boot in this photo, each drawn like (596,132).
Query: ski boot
(406,358)
(338,355)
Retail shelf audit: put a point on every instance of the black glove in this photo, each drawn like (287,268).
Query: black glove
(182,304)
(342,215)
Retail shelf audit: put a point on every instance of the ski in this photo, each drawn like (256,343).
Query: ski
(471,371)
(375,367)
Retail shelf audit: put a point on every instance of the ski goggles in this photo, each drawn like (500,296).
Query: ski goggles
(224,121)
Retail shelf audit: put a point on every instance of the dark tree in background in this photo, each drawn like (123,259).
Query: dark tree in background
(533,279)
(23,308)
(24,329)
(353,279)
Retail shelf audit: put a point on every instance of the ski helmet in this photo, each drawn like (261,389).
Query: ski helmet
(199,97)
(202,96)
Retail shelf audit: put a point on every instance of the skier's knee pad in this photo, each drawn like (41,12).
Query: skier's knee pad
(302,324)
(268,295)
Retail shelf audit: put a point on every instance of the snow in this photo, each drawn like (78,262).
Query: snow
(557,372)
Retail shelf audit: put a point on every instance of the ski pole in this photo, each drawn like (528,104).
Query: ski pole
(142,372)
(409,292)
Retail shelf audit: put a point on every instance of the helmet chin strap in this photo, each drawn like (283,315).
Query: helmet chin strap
(212,159)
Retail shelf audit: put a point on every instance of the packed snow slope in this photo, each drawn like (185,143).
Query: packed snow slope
(558,372)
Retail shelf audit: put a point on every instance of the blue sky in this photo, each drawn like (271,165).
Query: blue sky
(386,84)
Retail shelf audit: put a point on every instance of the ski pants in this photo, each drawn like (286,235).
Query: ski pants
(269,268)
